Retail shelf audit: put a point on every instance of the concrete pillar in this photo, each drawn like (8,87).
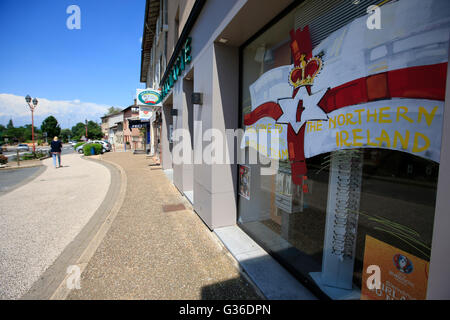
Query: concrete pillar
(217,78)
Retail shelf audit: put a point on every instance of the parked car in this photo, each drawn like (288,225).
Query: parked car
(79,149)
(23,147)
(106,145)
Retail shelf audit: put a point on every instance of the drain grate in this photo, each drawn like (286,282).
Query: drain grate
(173,207)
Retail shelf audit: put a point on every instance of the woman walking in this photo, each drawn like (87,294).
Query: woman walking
(56,146)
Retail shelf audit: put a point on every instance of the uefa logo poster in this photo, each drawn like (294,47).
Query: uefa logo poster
(403,275)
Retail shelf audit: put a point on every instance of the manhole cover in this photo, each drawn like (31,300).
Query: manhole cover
(173,207)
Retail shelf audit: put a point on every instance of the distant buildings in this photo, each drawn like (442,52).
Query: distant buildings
(116,129)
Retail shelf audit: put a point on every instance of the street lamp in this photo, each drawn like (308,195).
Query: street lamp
(32,107)
(86,129)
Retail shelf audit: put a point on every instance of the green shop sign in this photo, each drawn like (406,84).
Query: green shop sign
(180,64)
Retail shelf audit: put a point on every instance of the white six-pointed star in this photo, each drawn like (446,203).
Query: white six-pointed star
(311,110)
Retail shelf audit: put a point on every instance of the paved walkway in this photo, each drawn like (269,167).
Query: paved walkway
(39,219)
(151,254)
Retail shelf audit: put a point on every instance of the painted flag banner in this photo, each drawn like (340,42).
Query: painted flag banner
(360,88)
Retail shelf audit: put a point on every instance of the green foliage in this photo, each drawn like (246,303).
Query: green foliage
(94,130)
(31,156)
(2,131)
(3,159)
(65,134)
(78,144)
(97,147)
(112,110)
(51,126)
(27,132)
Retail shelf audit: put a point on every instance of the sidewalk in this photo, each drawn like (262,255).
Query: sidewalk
(152,254)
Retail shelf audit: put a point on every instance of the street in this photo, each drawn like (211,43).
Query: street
(40,218)
(9,179)
(12,151)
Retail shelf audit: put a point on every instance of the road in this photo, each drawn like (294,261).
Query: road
(12,152)
(40,218)
(11,179)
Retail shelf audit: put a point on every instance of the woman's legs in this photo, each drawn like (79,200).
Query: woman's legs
(59,159)
(54,159)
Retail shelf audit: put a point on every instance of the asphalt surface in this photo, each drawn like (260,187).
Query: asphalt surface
(10,179)
(40,218)
(65,150)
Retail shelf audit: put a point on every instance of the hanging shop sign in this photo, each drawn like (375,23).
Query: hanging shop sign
(178,67)
(146,113)
(403,275)
(149,97)
(359,88)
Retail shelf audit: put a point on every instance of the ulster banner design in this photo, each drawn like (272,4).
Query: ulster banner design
(359,88)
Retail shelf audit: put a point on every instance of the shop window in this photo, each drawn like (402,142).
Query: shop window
(359,144)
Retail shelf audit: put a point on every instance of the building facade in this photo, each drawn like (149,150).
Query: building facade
(105,127)
(115,130)
(342,102)
(133,138)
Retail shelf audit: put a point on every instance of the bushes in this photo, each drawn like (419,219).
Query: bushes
(31,156)
(97,147)
(3,159)
(27,156)
(77,145)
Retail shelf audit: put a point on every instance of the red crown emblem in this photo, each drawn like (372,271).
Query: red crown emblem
(304,74)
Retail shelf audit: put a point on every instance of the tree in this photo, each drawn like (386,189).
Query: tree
(10,124)
(2,131)
(94,130)
(78,131)
(51,126)
(28,134)
(65,134)
(112,110)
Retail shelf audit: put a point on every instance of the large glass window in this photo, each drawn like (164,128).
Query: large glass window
(359,144)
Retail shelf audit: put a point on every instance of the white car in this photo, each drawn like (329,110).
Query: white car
(106,145)
(23,147)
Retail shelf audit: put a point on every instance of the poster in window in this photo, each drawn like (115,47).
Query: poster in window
(244,181)
(403,275)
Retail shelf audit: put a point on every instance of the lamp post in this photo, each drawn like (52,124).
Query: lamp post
(32,106)
(86,130)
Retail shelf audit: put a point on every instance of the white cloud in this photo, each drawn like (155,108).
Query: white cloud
(68,113)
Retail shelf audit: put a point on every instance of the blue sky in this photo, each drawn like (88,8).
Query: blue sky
(88,70)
